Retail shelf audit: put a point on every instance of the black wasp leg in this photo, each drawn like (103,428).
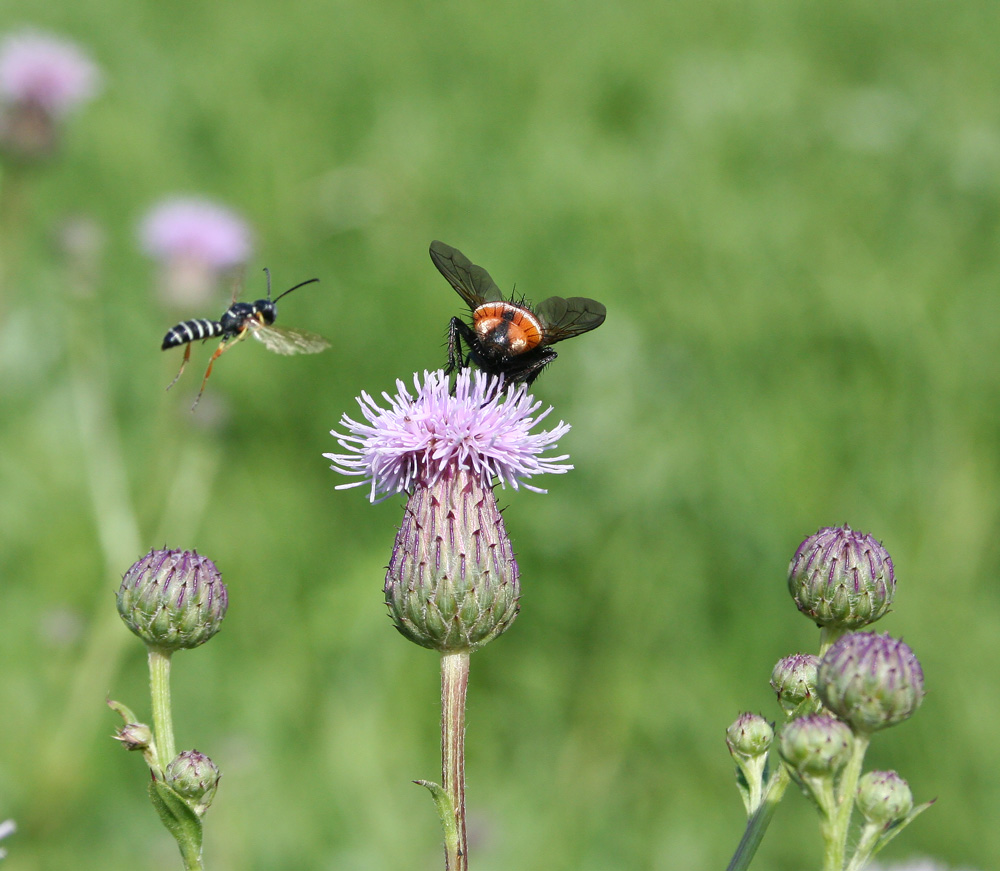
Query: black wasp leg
(224,346)
(187,356)
(457,331)
(534,368)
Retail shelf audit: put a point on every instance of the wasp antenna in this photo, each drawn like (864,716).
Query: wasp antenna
(267,272)
(297,286)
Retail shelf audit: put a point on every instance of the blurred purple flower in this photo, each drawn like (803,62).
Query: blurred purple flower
(46,71)
(480,428)
(195,229)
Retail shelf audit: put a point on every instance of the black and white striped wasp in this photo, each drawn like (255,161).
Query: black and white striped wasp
(238,321)
(508,338)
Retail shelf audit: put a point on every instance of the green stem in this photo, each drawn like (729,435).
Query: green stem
(835,832)
(454,684)
(159,690)
(759,821)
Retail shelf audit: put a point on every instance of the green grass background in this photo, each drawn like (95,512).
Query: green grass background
(791,211)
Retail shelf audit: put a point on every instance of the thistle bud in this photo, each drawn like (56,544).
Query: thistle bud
(816,745)
(173,599)
(749,736)
(749,739)
(884,797)
(134,736)
(870,681)
(452,583)
(841,578)
(194,777)
(794,680)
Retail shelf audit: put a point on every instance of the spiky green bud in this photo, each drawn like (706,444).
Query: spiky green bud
(452,583)
(884,797)
(842,578)
(749,739)
(134,736)
(749,736)
(194,777)
(816,745)
(794,679)
(870,681)
(173,599)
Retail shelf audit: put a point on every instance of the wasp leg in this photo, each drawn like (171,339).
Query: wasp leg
(526,368)
(187,356)
(534,369)
(457,331)
(224,346)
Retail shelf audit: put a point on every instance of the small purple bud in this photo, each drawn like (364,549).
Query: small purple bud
(794,679)
(134,736)
(173,599)
(194,777)
(842,578)
(749,736)
(816,745)
(870,681)
(884,797)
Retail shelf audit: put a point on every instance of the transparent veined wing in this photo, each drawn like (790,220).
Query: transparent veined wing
(473,283)
(283,340)
(565,318)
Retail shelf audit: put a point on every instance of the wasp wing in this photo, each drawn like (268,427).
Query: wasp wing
(282,340)
(472,282)
(565,318)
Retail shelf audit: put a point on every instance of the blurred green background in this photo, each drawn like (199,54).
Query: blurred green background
(791,212)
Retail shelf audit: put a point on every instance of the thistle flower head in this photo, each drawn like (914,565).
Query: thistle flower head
(173,599)
(842,578)
(481,428)
(870,681)
(51,73)
(192,229)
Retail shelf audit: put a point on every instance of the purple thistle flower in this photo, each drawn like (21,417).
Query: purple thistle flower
(481,429)
(194,229)
(46,71)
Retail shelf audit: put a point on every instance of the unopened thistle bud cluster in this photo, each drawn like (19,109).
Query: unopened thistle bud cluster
(452,583)
(843,580)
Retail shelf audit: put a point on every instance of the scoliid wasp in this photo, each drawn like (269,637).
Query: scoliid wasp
(508,337)
(237,322)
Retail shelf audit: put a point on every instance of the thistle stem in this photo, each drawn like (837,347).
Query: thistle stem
(760,820)
(454,684)
(159,690)
(835,831)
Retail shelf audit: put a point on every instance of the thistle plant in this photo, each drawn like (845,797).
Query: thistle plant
(833,703)
(195,241)
(42,79)
(173,600)
(453,583)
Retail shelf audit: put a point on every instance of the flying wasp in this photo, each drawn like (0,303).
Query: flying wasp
(506,337)
(237,322)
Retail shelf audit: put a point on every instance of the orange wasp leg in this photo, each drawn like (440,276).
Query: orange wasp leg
(187,356)
(224,346)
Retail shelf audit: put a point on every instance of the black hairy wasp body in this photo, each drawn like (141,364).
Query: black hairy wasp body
(508,337)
